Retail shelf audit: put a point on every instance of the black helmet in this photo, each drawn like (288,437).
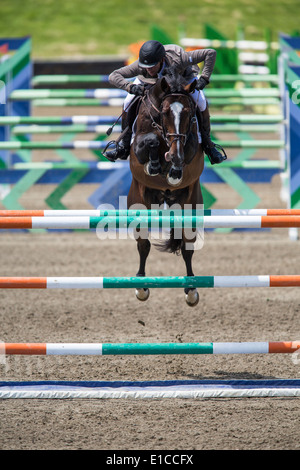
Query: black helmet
(151,53)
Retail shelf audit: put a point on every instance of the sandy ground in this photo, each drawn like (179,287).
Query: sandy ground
(117,316)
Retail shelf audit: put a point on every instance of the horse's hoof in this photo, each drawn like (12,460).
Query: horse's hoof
(174,176)
(146,169)
(149,171)
(173,181)
(142,294)
(192,298)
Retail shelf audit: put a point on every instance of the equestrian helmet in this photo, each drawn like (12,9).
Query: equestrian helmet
(151,53)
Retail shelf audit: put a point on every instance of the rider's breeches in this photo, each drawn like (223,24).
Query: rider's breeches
(197,95)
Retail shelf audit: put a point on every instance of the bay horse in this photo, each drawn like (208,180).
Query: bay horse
(166,161)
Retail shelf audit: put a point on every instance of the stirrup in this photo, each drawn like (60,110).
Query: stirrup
(218,159)
(119,151)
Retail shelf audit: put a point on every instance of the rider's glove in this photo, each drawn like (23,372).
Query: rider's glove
(201,83)
(137,90)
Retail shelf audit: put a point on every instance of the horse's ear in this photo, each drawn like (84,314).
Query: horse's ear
(164,85)
(191,87)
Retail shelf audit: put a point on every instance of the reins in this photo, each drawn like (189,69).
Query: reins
(159,127)
(166,135)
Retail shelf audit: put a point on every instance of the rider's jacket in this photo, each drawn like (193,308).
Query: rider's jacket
(185,62)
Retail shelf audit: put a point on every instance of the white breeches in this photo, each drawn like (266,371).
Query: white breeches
(197,95)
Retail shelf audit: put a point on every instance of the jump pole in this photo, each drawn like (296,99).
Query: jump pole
(117,102)
(149,282)
(90,119)
(194,389)
(101,129)
(111,349)
(100,145)
(150,212)
(61,79)
(68,120)
(100,93)
(116,222)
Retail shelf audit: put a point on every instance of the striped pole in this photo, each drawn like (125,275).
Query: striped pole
(110,349)
(59,79)
(229,44)
(249,78)
(101,129)
(154,222)
(31,94)
(114,102)
(192,282)
(191,389)
(247,165)
(64,120)
(18,95)
(99,145)
(81,119)
(118,102)
(248,118)
(47,145)
(70,165)
(150,212)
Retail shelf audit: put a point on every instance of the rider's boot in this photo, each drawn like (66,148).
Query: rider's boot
(210,148)
(122,149)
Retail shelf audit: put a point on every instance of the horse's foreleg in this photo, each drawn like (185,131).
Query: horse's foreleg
(175,174)
(153,166)
(143,246)
(191,295)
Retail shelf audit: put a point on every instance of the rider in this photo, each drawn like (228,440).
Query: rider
(153,58)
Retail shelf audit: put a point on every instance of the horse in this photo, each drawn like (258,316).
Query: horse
(166,162)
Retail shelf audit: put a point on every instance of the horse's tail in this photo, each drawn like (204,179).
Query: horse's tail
(172,245)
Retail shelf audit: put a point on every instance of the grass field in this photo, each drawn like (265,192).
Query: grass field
(106,27)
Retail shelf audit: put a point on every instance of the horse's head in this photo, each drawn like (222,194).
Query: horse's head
(177,119)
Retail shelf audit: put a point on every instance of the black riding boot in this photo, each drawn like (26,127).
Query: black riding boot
(209,147)
(122,149)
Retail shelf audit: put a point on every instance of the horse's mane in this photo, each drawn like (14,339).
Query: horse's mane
(175,81)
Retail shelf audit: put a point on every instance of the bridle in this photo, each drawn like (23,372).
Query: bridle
(168,137)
